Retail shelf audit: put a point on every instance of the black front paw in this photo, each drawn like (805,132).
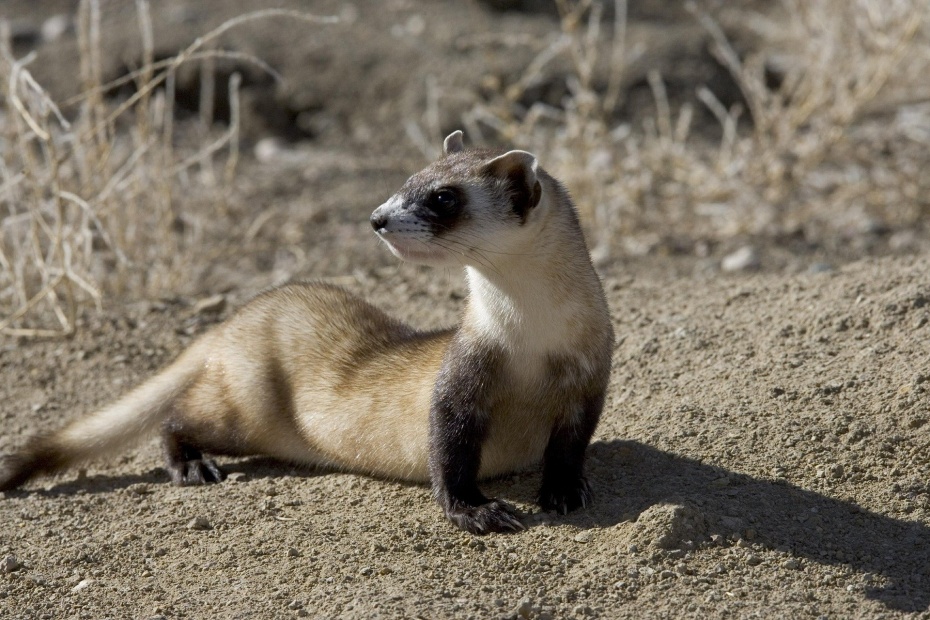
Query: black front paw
(492,516)
(565,497)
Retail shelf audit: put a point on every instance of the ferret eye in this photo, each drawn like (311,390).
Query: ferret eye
(444,199)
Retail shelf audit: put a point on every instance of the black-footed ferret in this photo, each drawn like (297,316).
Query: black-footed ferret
(309,373)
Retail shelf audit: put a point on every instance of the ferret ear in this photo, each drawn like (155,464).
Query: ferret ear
(453,143)
(519,170)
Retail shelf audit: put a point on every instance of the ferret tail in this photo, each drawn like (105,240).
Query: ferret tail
(100,433)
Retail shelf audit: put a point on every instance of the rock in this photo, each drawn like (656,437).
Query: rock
(140,488)
(82,584)
(199,523)
(269,149)
(583,537)
(753,560)
(791,564)
(524,609)
(55,27)
(10,564)
(819,268)
(743,259)
(902,241)
(236,476)
(293,553)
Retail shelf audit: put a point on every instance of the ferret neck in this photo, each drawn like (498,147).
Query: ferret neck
(532,301)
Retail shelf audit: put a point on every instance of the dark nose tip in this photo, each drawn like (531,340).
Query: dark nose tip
(378,220)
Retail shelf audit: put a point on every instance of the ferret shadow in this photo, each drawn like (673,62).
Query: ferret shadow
(629,477)
(254,468)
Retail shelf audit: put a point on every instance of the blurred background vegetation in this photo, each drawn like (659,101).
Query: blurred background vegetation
(137,138)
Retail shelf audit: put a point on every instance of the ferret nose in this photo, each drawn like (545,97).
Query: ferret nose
(378,220)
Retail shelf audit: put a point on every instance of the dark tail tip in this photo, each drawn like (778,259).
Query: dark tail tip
(38,456)
(14,471)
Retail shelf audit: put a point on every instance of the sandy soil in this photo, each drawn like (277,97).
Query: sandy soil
(764,451)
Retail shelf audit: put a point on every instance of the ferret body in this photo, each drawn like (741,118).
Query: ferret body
(309,373)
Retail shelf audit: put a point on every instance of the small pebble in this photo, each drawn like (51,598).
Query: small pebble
(82,584)
(524,609)
(743,259)
(293,553)
(819,268)
(55,27)
(295,604)
(236,476)
(10,564)
(199,523)
(583,537)
(269,149)
(753,560)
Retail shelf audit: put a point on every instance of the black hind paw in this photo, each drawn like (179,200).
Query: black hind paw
(564,497)
(195,471)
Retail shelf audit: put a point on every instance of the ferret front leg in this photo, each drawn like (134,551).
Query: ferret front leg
(458,426)
(455,457)
(564,486)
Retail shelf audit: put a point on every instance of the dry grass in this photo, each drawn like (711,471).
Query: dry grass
(88,204)
(803,165)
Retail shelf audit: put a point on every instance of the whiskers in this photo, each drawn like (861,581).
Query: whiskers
(475,239)
(463,251)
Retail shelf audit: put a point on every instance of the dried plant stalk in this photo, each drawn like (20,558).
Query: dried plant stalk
(634,186)
(87,211)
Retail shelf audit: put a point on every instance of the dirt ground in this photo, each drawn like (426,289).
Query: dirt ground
(764,451)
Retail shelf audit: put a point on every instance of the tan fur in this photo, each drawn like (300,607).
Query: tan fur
(309,373)
(321,384)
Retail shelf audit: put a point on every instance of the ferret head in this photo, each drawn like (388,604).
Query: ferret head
(470,207)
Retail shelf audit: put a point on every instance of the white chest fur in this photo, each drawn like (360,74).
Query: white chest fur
(525,313)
